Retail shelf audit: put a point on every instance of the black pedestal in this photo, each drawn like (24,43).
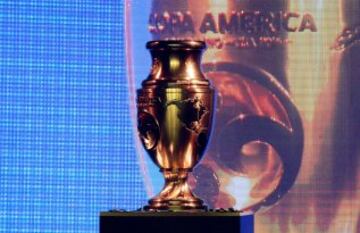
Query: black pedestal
(176,222)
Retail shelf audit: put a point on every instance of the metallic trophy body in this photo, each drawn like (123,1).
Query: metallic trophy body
(175,109)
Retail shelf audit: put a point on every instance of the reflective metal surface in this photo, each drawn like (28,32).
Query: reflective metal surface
(175,110)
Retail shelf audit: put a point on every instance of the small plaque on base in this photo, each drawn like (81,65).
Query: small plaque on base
(176,222)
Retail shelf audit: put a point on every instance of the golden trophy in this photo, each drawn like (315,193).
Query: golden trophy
(175,110)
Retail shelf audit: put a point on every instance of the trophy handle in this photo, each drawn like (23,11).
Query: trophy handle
(264,129)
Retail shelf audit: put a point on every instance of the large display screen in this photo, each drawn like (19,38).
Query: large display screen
(66,142)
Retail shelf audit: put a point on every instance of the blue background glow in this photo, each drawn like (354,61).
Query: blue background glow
(65,135)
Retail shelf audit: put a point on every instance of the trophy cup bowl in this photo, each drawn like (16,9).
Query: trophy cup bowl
(175,110)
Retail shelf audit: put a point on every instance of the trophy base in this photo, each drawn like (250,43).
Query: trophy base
(175,205)
(217,221)
(176,194)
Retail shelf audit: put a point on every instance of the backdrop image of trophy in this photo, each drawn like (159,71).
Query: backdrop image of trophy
(287,108)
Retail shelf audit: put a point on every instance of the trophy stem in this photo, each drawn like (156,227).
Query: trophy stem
(176,194)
